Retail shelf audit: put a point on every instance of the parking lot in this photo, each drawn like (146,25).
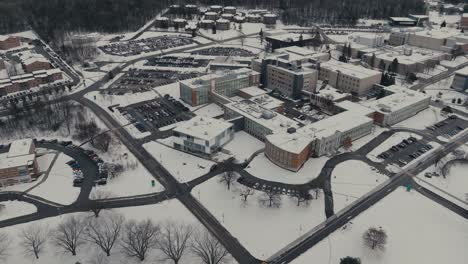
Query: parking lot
(405,151)
(172,61)
(155,114)
(135,47)
(138,80)
(224,51)
(449,127)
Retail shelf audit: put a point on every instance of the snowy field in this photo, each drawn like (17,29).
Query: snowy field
(263,168)
(183,166)
(352,179)
(394,139)
(44,161)
(169,210)
(262,230)
(13,209)
(423,119)
(419,231)
(243,146)
(59,185)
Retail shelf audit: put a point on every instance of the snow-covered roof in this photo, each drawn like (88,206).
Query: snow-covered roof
(28,57)
(229,8)
(296,50)
(270,15)
(401,98)
(5,37)
(267,101)
(211,13)
(207,21)
(253,91)
(293,143)
(349,69)
(203,127)
(20,148)
(402,19)
(222,20)
(6,162)
(437,34)
(332,93)
(463,72)
(285,36)
(417,55)
(465,15)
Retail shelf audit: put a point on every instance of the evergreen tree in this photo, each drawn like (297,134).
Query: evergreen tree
(444,24)
(350,260)
(350,51)
(372,60)
(394,66)
(382,65)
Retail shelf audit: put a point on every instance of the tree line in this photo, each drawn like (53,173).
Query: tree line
(111,233)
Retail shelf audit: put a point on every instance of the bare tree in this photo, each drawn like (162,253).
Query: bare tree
(174,240)
(102,142)
(228,178)
(105,231)
(208,249)
(33,239)
(138,238)
(302,200)
(69,235)
(95,205)
(245,192)
(270,198)
(375,238)
(5,243)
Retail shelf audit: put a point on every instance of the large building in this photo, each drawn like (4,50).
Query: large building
(349,78)
(433,39)
(460,80)
(402,22)
(227,83)
(401,104)
(19,164)
(29,80)
(34,62)
(9,42)
(281,39)
(203,135)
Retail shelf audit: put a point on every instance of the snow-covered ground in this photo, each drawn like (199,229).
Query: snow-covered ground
(44,161)
(419,231)
(243,146)
(11,209)
(262,230)
(165,211)
(263,168)
(183,166)
(352,179)
(394,139)
(423,119)
(59,185)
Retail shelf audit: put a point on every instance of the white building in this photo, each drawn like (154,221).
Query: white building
(203,135)
(19,164)
(349,78)
(460,81)
(400,105)
(370,40)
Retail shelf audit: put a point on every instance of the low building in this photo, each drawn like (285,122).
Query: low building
(30,80)
(230,10)
(400,105)
(250,92)
(222,63)
(223,24)
(398,38)
(179,23)
(464,21)
(349,78)
(227,83)
(202,135)
(327,98)
(9,42)
(162,22)
(253,18)
(229,17)
(19,164)
(270,19)
(216,8)
(460,80)
(402,22)
(207,24)
(239,19)
(211,16)
(432,39)
(282,39)
(370,40)
(34,62)
(420,19)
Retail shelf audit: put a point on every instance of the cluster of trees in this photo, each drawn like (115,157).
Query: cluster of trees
(111,232)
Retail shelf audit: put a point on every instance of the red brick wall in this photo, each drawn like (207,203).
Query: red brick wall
(37,66)
(9,43)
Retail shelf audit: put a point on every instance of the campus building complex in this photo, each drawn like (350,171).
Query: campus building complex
(228,83)
(460,81)
(29,80)
(19,164)
(202,135)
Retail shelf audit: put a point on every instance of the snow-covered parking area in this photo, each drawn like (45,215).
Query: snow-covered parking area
(419,231)
(423,119)
(58,187)
(183,166)
(11,209)
(387,144)
(261,230)
(263,168)
(352,179)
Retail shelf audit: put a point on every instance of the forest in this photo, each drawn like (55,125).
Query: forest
(51,18)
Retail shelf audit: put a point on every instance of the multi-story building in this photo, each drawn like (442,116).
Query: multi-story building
(228,83)
(460,81)
(270,19)
(223,24)
(401,104)
(9,42)
(291,80)
(230,10)
(19,164)
(349,78)
(433,39)
(464,21)
(370,40)
(34,62)
(327,98)
(281,39)
(29,80)
(203,135)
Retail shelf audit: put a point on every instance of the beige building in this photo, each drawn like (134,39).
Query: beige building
(349,78)
(292,80)
(19,164)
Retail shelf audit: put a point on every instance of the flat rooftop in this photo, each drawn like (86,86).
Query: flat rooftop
(331,93)
(293,143)
(20,148)
(401,98)
(402,19)
(437,33)
(253,91)
(7,162)
(202,127)
(419,55)
(463,72)
(349,69)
